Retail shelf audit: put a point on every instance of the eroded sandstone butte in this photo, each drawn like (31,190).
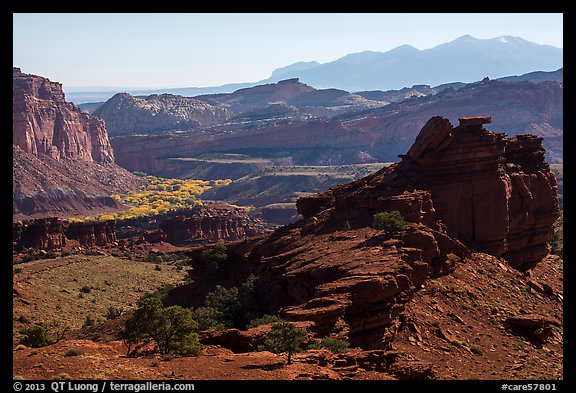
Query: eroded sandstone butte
(63,163)
(126,114)
(495,194)
(458,188)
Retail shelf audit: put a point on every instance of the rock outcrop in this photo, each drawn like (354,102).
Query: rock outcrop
(91,234)
(536,328)
(212,223)
(42,234)
(493,193)
(226,224)
(63,162)
(53,233)
(45,124)
(127,114)
(457,187)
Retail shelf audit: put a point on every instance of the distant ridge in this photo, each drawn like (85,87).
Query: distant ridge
(465,59)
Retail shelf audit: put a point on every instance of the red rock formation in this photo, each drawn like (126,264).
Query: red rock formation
(91,234)
(493,193)
(51,233)
(43,234)
(63,162)
(463,182)
(45,124)
(210,224)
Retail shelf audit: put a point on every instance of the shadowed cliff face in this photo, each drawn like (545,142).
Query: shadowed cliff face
(211,224)
(457,187)
(52,233)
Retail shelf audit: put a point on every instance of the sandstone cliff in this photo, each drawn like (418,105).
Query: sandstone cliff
(63,163)
(457,188)
(381,133)
(127,114)
(45,124)
(53,233)
(494,193)
(212,223)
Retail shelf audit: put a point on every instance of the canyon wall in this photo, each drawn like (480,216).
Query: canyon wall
(45,124)
(63,163)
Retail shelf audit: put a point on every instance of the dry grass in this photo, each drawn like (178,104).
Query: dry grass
(48,289)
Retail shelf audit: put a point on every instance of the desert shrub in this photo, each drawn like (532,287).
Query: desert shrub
(153,257)
(285,337)
(157,268)
(89,321)
(556,246)
(172,329)
(85,289)
(476,351)
(28,258)
(207,318)
(229,307)
(458,343)
(334,345)
(214,258)
(391,222)
(17,270)
(160,293)
(264,320)
(74,352)
(346,226)
(35,337)
(226,305)
(113,312)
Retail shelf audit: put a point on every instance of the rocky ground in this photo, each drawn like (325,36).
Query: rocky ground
(458,322)
(453,328)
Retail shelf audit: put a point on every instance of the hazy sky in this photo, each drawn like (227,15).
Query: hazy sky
(185,50)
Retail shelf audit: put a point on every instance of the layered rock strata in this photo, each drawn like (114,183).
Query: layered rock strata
(45,124)
(202,224)
(457,187)
(493,193)
(125,114)
(63,163)
(182,229)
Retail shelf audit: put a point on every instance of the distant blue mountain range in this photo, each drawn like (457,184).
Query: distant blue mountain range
(465,59)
